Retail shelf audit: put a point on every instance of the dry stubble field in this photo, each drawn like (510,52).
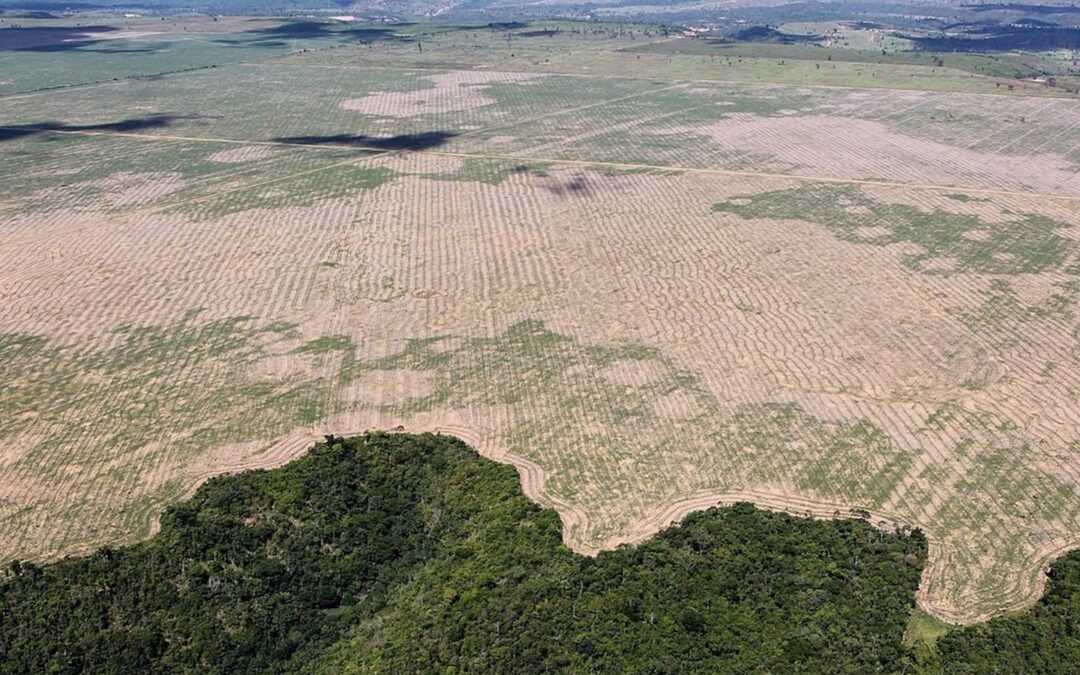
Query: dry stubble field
(650,295)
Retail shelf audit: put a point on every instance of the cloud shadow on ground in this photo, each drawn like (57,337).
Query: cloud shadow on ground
(415,142)
(51,38)
(277,36)
(16,131)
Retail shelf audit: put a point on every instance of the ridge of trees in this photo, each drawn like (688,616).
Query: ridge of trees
(410,553)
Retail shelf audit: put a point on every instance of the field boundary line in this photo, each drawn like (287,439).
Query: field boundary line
(761,174)
(52,89)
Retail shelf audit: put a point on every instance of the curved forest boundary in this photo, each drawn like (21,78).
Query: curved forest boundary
(411,553)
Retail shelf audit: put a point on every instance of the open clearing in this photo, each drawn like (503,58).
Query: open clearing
(649,294)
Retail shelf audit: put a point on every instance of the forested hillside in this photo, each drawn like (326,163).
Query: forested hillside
(400,553)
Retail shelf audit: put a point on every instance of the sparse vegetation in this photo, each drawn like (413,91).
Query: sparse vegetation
(1026,244)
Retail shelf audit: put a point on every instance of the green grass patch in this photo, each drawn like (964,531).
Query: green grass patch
(1026,245)
(327,343)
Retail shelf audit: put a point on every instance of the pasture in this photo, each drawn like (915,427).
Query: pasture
(651,284)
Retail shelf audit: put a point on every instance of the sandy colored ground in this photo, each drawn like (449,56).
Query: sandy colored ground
(633,353)
(449,92)
(841,147)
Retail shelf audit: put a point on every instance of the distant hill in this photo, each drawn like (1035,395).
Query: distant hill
(748,13)
(59,8)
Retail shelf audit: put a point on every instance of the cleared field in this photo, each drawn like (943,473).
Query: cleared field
(648,295)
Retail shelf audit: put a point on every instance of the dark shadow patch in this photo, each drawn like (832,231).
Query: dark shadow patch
(414,142)
(495,25)
(50,38)
(1001,39)
(28,14)
(537,33)
(365,35)
(540,171)
(577,186)
(104,47)
(276,36)
(251,43)
(1026,9)
(767,34)
(9,133)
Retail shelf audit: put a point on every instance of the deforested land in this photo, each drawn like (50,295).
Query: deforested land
(830,271)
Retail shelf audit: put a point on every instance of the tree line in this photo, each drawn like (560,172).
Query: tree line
(410,553)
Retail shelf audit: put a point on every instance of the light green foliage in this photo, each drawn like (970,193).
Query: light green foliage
(574,390)
(327,343)
(923,632)
(1003,315)
(118,175)
(961,197)
(146,370)
(1028,244)
(327,182)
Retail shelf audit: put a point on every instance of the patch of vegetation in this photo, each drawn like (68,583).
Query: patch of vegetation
(1003,309)
(965,198)
(923,632)
(576,390)
(1018,489)
(327,343)
(331,181)
(1029,244)
(925,628)
(396,553)
(105,174)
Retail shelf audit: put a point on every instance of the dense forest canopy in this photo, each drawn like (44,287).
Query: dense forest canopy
(402,553)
